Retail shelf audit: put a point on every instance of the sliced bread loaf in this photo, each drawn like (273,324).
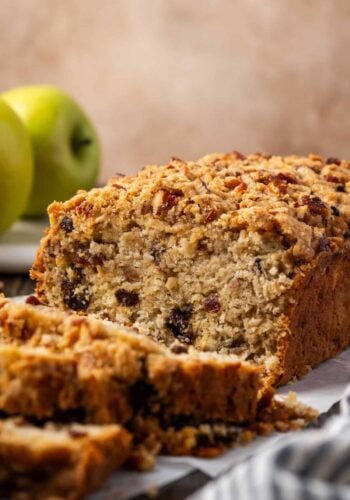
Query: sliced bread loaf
(232,254)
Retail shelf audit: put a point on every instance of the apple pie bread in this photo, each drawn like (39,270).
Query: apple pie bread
(233,254)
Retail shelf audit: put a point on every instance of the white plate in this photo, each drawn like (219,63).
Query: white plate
(19,244)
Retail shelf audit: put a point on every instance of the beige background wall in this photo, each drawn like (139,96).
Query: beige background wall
(185,77)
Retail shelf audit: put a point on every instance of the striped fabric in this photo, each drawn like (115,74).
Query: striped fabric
(310,465)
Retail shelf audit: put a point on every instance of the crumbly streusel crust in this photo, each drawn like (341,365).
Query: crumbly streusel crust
(52,363)
(55,461)
(233,254)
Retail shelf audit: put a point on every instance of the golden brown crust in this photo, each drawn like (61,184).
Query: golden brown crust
(64,462)
(319,322)
(57,361)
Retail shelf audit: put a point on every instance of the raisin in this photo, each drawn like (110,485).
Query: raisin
(210,216)
(179,348)
(178,323)
(315,204)
(66,224)
(341,189)
(331,178)
(333,161)
(258,264)
(237,342)
(126,297)
(211,303)
(76,301)
(202,246)
(33,300)
(346,235)
(335,211)
(285,242)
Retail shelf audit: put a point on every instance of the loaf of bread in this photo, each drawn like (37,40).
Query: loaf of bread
(231,254)
(55,461)
(59,365)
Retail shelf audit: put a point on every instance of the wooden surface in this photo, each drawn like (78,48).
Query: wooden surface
(16,284)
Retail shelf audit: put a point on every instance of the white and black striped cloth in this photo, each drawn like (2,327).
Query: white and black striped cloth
(310,465)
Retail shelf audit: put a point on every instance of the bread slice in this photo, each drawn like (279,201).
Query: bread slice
(54,363)
(232,254)
(210,439)
(55,461)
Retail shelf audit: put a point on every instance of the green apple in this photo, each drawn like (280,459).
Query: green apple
(16,166)
(64,142)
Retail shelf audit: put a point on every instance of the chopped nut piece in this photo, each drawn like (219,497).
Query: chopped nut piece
(289,179)
(315,204)
(166,199)
(171,283)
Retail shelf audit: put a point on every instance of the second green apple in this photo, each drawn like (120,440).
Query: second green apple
(64,142)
